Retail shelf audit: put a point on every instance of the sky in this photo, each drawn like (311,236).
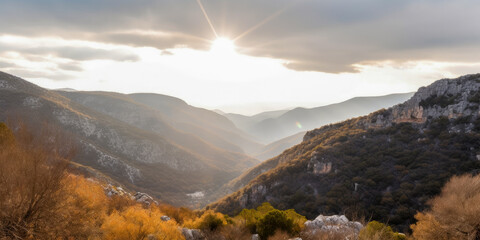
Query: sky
(241,56)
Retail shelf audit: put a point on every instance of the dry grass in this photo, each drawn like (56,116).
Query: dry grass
(454,214)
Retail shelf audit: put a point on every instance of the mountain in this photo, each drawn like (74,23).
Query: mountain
(383,166)
(277,147)
(272,126)
(207,124)
(186,125)
(246,122)
(127,141)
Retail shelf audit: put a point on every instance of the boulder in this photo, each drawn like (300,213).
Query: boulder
(165,218)
(192,234)
(335,223)
(143,198)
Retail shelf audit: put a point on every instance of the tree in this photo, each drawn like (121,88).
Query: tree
(274,220)
(208,221)
(31,189)
(454,214)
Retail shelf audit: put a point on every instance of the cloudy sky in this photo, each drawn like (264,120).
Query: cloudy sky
(271,54)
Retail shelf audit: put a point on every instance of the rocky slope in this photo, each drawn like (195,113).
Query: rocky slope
(117,145)
(385,165)
(208,125)
(212,146)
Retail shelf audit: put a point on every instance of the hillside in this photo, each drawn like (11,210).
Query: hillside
(275,148)
(382,166)
(113,141)
(246,122)
(208,125)
(272,126)
(198,139)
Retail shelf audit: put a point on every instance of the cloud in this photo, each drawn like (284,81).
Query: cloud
(70,66)
(6,64)
(71,52)
(322,35)
(52,75)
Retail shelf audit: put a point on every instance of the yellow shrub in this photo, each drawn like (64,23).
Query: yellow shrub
(138,223)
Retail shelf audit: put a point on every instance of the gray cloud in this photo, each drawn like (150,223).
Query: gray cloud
(82,53)
(5,64)
(71,66)
(320,35)
(75,53)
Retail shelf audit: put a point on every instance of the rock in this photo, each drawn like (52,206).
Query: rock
(335,223)
(144,198)
(151,237)
(111,190)
(255,237)
(165,218)
(192,234)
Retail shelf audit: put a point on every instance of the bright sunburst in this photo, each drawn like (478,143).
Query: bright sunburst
(222,47)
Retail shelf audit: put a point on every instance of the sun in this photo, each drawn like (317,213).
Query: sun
(223,47)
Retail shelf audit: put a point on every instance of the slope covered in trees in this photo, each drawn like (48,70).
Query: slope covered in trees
(383,166)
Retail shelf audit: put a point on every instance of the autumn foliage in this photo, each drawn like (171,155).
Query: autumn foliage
(40,199)
(135,222)
(454,214)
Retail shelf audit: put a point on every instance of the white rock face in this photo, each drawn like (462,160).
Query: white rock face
(32,102)
(196,195)
(5,85)
(139,150)
(337,223)
(113,163)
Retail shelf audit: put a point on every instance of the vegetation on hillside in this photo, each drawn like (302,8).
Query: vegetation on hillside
(41,199)
(454,214)
(384,174)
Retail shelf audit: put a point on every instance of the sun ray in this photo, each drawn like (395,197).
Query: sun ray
(208,19)
(263,22)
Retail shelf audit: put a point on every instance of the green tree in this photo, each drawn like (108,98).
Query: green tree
(273,221)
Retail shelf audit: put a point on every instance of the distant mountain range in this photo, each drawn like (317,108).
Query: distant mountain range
(383,166)
(272,126)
